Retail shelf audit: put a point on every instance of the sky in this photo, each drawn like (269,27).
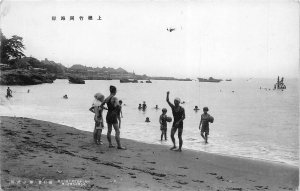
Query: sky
(223,39)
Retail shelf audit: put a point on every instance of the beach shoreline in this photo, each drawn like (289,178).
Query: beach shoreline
(41,150)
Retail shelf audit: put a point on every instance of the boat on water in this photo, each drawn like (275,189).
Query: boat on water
(125,80)
(210,79)
(148,81)
(76,80)
(186,79)
(279,85)
(228,80)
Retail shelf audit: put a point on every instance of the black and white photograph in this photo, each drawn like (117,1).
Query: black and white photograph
(149,95)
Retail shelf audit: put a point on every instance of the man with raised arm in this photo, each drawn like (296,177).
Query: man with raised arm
(179,116)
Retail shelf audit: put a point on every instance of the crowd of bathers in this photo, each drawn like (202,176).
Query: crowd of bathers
(114,115)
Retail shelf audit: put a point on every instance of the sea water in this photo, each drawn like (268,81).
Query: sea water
(251,119)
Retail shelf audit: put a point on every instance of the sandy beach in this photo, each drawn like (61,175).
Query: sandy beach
(40,155)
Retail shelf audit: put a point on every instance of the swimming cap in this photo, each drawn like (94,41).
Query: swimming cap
(205,108)
(178,99)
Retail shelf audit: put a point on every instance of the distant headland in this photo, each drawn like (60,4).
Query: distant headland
(18,69)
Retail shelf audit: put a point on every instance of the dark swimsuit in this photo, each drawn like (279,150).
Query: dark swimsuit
(177,116)
(112,113)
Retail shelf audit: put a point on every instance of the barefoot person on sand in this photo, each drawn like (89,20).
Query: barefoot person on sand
(179,116)
(99,98)
(112,116)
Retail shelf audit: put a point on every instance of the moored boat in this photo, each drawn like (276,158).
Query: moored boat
(125,80)
(210,79)
(76,80)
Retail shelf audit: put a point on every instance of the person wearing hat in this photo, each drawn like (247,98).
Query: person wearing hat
(178,115)
(163,124)
(99,98)
(204,124)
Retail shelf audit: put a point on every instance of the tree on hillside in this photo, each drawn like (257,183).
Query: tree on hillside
(11,48)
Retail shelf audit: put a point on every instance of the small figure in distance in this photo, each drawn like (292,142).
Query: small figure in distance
(28,90)
(204,124)
(8,92)
(183,102)
(147,120)
(140,106)
(196,108)
(170,29)
(144,106)
(65,96)
(156,107)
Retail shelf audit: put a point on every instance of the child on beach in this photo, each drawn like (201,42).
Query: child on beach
(99,98)
(205,120)
(163,124)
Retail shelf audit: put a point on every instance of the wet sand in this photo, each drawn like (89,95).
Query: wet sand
(34,150)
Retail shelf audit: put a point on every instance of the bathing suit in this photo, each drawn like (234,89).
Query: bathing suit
(205,123)
(98,115)
(112,113)
(177,116)
(163,119)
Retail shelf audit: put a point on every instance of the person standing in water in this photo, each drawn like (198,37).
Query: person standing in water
(163,124)
(205,119)
(8,92)
(179,116)
(144,106)
(112,117)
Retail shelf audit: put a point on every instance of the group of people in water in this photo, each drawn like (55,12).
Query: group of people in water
(143,106)
(114,115)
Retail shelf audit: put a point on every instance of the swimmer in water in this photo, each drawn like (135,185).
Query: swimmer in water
(147,120)
(144,106)
(196,108)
